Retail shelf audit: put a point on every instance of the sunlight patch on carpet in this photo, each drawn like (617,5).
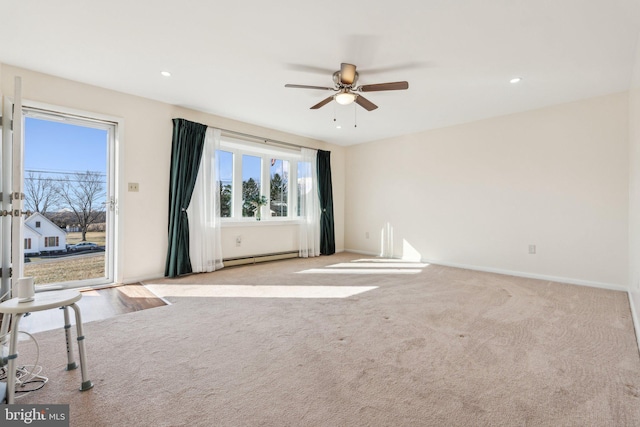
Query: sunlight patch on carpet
(267,291)
(361,271)
(386,261)
(370,266)
(378,264)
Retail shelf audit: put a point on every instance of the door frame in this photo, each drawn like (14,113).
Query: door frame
(11,190)
(115,185)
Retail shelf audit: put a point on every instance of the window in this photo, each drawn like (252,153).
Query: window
(279,194)
(50,242)
(27,243)
(37,224)
(251,173)
(225,181)
(247,171)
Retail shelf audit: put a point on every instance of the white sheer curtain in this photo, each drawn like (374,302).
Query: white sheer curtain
(205,248)
(309,206)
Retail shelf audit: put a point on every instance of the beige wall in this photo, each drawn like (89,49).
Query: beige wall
(478,194)
(634,186)
(471,195)
(146,148)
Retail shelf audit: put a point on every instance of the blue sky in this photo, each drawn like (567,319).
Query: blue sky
(251,166)
(61,147)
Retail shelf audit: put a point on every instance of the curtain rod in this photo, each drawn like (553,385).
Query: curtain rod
(265,140)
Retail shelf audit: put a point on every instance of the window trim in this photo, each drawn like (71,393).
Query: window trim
(238,148)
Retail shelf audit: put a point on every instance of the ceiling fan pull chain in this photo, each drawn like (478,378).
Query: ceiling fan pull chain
(355,116)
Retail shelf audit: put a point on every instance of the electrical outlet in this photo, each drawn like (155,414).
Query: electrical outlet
(134,186)
(238,241)
(532,249)
(366,235)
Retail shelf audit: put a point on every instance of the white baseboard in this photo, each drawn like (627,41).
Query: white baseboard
(571,281)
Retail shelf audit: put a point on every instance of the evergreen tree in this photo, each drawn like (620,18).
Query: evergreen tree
(278,195)
(250,191)
(225,200)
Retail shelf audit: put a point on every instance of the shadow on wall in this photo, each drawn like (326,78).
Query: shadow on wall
(388,250)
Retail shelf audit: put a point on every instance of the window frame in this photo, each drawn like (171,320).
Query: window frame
(238,148)
(115,158)
(47,241)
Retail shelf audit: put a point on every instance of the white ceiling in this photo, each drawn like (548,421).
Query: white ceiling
(234,58)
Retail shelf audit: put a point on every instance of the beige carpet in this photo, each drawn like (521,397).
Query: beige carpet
(407,345)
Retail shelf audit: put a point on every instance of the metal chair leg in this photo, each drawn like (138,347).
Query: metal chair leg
(86,383)
(71,364)
(13,355)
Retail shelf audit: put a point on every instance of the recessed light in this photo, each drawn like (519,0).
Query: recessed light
(165,73)
(515,80)
(338,127)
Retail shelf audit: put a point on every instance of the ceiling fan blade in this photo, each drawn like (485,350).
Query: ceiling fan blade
(309,87)
(384,86)
(399,67)
(322,103)
(347,73)
(310,69)
(365,103)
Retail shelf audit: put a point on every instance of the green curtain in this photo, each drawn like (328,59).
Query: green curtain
(186,153)
(325,192)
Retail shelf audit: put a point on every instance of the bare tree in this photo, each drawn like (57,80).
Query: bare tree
(84,195)
(41,194)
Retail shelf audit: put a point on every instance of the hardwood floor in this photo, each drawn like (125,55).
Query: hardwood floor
(95,305)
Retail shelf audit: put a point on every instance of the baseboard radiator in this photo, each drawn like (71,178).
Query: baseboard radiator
(254,259)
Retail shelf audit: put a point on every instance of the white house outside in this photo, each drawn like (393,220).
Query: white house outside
(42,236)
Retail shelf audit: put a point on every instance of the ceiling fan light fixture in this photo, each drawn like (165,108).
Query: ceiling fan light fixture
(345,90)
(345,98)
